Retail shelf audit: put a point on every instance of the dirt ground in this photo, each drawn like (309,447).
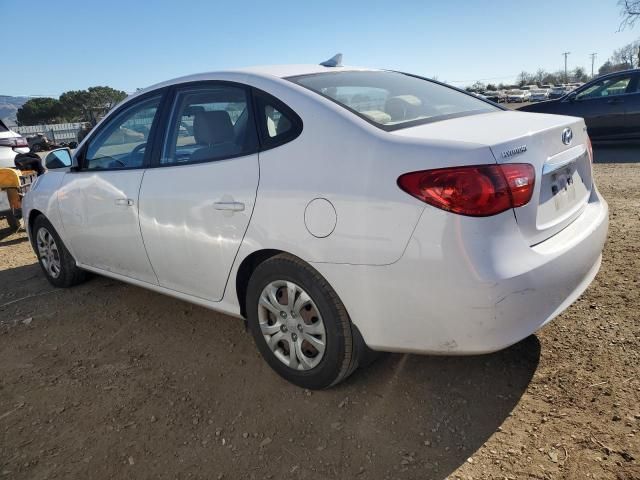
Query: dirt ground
(107,380)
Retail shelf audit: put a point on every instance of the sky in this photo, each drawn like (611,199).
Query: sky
(60,45)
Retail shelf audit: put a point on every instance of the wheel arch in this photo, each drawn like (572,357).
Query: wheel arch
(33,214)
(246,269)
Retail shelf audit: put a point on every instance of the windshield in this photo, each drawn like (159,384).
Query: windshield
(392,100)
(515,92)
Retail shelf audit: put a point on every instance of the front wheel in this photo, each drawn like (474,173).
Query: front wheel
(55,260)
(299,324)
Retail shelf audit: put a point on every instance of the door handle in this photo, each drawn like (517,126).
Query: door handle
(229,206)
(615,100)
(124,202)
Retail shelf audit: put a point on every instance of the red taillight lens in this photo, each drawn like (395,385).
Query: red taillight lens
(14,142)
(475,190)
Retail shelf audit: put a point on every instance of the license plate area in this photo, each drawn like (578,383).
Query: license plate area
(564,189)
(562,185)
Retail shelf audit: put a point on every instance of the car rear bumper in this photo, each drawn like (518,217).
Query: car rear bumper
(460,290)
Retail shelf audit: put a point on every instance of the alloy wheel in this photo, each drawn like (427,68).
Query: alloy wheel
(292,325)
(48,252)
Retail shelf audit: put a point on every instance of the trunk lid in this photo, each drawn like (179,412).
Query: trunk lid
(563,170)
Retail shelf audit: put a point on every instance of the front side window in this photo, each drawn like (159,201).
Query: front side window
(122,142)
(392,100)
(209,123)
(605,88)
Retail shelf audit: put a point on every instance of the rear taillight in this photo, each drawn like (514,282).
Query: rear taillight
(475,190)
(14,142)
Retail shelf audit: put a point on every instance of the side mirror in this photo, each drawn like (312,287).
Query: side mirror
(572,97)
(60,158)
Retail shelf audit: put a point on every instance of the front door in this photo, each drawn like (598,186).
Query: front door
(195,204)
(99,202)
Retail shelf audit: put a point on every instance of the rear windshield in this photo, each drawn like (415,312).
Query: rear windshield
(392,100)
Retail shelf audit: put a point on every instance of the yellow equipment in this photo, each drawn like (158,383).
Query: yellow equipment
(16,184)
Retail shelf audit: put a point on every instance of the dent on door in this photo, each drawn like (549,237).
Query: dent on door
(193,219)
(101,223)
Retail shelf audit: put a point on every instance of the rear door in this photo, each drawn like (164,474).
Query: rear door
(602,105)
(196,202)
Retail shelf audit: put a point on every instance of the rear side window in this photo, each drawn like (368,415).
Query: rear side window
(392,100)
(210,123)
(277,123)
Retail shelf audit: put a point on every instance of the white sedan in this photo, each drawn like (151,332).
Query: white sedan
(339,210)
(518,96)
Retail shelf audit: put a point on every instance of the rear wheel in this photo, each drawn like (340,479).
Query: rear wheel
(299,324)
(55,260)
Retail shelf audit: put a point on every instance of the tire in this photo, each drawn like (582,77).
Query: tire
(55,260)
(292,327)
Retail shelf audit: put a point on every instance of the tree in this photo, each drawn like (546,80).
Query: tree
(491,86)
(630,13)
(90,104)
(540,75)
(477,87)
(525,78)
(38,110)
(627,54)
(579,75)
(610,67)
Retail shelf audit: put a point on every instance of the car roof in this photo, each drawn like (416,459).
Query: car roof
(265,71)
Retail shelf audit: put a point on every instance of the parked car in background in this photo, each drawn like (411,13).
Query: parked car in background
(518,96)
(40,143)
(557,92)
(11,143)
(610,106)
(539,95)
(497,96)
(453,227)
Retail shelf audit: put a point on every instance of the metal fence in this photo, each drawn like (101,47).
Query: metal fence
(60,132)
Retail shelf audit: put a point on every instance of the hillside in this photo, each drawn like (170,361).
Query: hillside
(9,106)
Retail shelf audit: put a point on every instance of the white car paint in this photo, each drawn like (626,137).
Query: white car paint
(412,277)
(8,154)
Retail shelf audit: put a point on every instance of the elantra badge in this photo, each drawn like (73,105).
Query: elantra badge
(567,136)
(514,151)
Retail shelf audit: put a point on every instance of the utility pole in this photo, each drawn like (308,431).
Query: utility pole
(593,59)
(566,78)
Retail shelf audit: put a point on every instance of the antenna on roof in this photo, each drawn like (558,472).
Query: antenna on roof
(335,61)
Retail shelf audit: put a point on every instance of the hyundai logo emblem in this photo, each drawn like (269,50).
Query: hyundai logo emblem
(567,136)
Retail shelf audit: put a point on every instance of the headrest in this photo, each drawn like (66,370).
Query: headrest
(212,127)
(403,107)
